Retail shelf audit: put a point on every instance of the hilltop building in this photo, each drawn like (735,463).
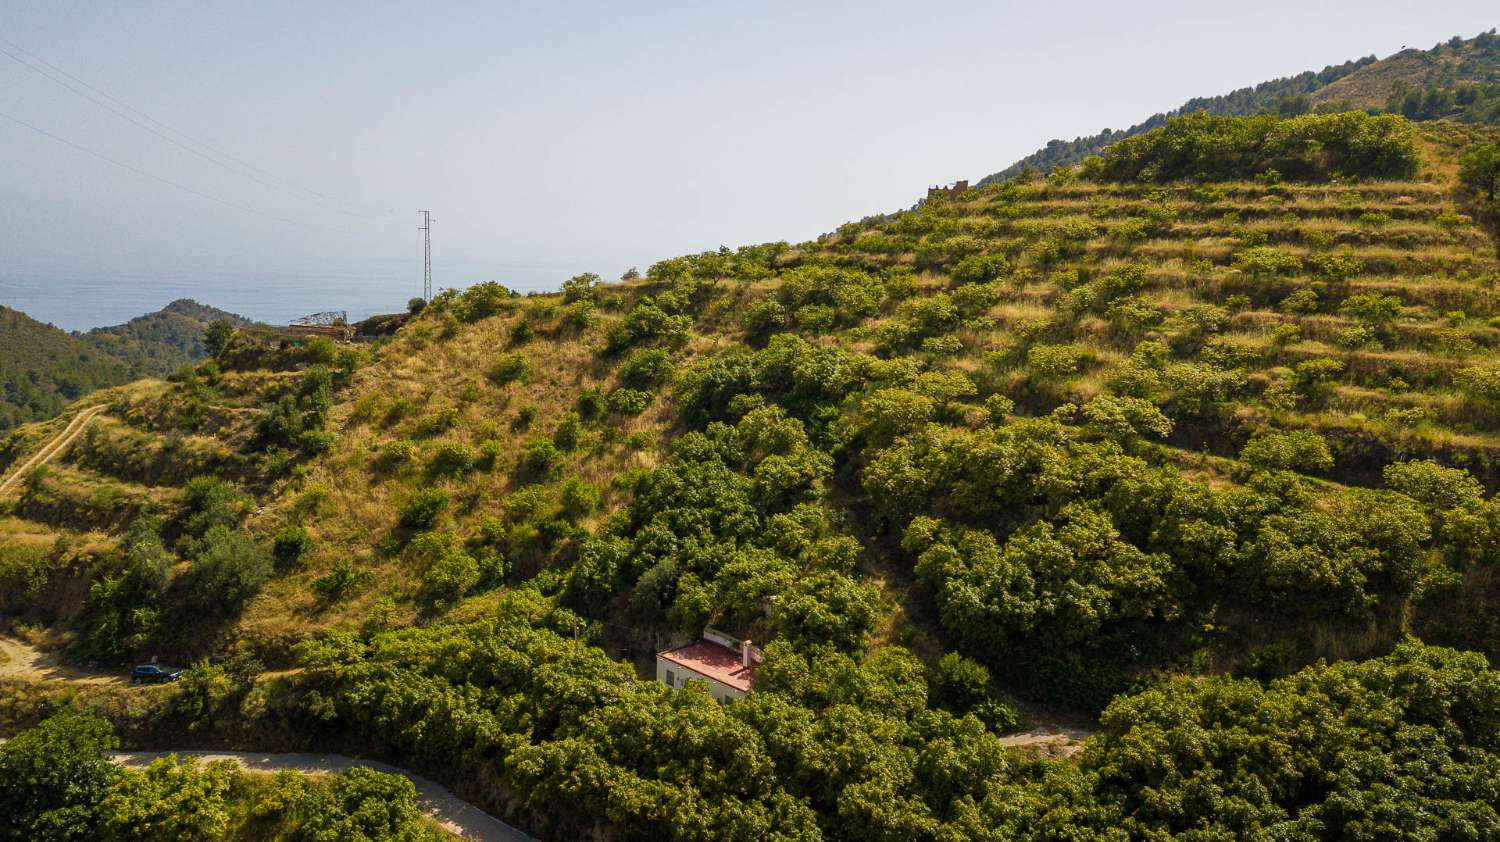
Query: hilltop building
(727,665)
(950,191)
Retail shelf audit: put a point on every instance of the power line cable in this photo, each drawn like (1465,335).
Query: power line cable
(144,121)
(154,177)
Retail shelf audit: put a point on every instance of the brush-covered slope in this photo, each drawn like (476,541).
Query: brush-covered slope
(131,542)
(1458,79)
(1150,437)
(43,368)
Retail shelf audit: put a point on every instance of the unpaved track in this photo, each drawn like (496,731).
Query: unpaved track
(51,449)
(447,809)
(22,660)
(1054,741)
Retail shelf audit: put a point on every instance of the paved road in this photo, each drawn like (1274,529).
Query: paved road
(456,815)
(52,449)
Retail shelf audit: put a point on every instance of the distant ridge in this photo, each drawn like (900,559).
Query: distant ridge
(1457,79)
(43,368)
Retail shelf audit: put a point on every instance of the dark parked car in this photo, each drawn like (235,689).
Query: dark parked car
(153,674)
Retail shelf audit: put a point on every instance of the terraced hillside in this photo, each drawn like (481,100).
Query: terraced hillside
(1141,442)
(165,472)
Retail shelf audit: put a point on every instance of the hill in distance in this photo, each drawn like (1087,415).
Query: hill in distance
(1197,441)
(43,368)
(1458,79)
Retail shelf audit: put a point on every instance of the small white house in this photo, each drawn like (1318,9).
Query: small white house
(726,665)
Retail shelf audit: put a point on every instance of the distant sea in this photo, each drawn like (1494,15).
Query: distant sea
(79,300)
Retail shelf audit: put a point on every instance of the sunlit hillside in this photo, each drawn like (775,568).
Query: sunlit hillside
(1191,444)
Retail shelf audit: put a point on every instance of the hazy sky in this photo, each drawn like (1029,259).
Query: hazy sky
(567,137)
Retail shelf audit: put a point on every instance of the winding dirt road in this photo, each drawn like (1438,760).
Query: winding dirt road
(51,449)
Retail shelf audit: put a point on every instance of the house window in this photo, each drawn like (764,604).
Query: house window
(671,679)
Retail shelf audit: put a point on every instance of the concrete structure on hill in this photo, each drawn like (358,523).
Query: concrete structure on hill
(950,191)
(725,664)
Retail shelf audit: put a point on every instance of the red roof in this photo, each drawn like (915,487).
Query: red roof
(711,660)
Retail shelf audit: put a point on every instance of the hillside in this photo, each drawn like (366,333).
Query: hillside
(1458,79)
(43,368)
(161,342)
(1196,443)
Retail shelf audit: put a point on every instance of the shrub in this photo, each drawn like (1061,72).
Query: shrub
(1371,307)
(420,510)
(579,314)
(1337,267)
(1284,334)
(1300,301)
(170,801)
(312,443)
(959,683)
(628,401)
(581,288)
(437,422)
(510,368)
(1265,261)
(290,548)
(646,368)
(815,317)
(1479,171)
(342,580)
(53,775)
(522,332)
(216,337)
(568,433)
(540,460)
(1315,377)
(764,316)
(453,457)
(448,572)
(209,502)
(980,269)
(1296,450)
(1054,362)
(1433,485)
(399,451)
(483,300)
(889,413)
(227,570)
(363,805)
(1356,337)
(415,306)
(579,497)
(590,404)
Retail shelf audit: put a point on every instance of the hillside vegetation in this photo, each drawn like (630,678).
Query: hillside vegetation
(43,368)
(1458,79)
(1196,439)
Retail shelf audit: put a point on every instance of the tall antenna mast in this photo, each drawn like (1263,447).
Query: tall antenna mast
(426,230)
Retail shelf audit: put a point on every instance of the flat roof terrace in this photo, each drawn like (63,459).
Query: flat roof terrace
(711,660)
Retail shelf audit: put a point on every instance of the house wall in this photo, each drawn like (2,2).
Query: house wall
(681,675)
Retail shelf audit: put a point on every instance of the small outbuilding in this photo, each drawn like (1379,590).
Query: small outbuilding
(725,664)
